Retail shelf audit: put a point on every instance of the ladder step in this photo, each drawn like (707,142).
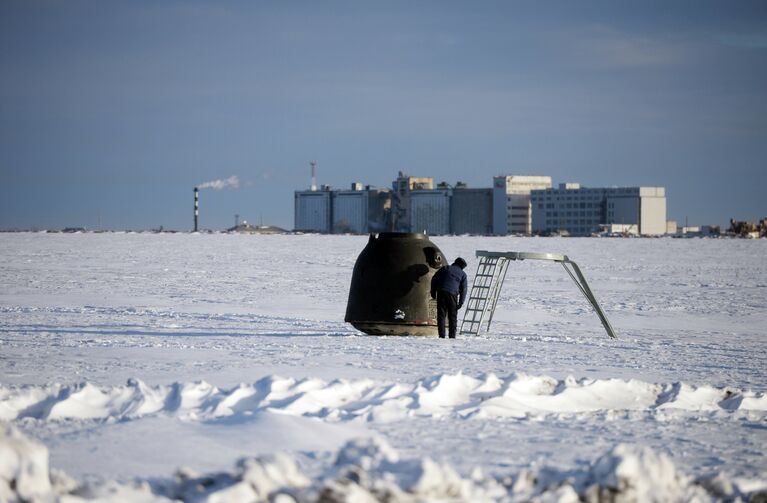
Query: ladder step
(484,294)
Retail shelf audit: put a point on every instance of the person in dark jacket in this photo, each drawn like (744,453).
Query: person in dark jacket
(448,286)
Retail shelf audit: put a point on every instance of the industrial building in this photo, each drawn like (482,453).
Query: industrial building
(313,209)
(402,189)
(419,207)
(414,205)
(430,211)
(350,210)
(357,211)
(512,213)
(361,210)
(582,211)
(516,204)
(471,211)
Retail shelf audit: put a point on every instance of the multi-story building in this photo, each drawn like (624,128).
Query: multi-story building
(350,210)
(313,210)
(515,204)
(358,211)
(471,211)
(430,211)
(414,205)
(401,190)
(581,211)
(671,227)
(512,213)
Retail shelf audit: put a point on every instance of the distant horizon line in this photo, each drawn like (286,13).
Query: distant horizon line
(278,230)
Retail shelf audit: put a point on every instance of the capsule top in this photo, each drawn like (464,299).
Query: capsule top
(402,235)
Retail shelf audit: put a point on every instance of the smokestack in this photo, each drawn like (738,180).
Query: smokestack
(313,164)
(196,207)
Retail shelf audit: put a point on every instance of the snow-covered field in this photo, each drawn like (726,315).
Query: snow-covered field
(218,367)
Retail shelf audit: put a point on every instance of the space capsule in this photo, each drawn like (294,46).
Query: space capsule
(391,283)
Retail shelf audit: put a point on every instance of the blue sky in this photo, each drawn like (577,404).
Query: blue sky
(112,112)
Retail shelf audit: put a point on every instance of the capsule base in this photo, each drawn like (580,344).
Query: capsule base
(378,328)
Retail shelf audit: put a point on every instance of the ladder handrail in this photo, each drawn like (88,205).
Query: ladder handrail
(496,283)
(482,288)
(496,291)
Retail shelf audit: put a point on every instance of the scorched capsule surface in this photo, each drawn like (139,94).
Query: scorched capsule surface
(389,293)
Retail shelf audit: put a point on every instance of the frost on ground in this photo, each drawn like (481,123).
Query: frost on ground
(148,365)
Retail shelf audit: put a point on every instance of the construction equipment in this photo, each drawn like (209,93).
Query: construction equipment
(491,271)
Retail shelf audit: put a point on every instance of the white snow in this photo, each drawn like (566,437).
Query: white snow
(219,368)
(457,396)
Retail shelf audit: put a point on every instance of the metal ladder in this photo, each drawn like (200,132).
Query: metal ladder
(491,271)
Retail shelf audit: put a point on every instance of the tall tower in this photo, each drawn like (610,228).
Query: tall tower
(196,207)
(313,164)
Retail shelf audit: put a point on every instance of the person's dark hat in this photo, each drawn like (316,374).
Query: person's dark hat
(460,263)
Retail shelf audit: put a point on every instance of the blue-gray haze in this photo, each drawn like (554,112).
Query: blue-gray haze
(112,111)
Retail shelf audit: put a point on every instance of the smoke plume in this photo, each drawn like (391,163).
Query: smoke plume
(232,182)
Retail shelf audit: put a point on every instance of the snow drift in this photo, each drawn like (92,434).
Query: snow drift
(367,471)
(455,395)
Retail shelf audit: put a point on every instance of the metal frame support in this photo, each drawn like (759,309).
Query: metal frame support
(483,299)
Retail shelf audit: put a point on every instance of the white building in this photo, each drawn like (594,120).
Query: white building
(581,211)
(671,227)
(511,202)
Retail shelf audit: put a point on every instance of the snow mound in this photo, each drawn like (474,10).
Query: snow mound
(455,395)
(23,467)
(635,473)
(24,471)
(265,478)
(367,471)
